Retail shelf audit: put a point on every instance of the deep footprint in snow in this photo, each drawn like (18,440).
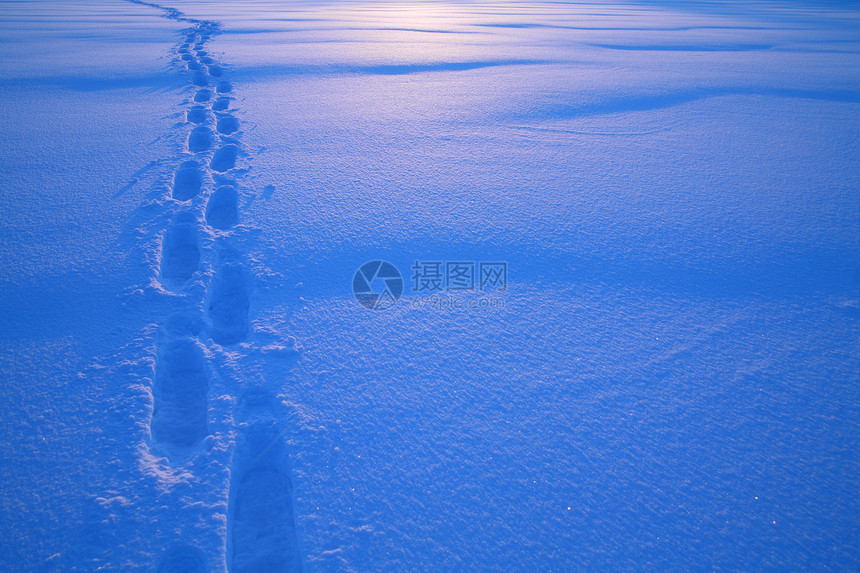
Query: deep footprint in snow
(201,79)
(197,114)
(180,253)
(183,324)
(187,181)
(263,529)
(224,87)
(215,71)
(229,303)
(222,210)
(179,418)
(225,158)
(221,104)
(200,139)
(203,96)
(227,124)
(182,558)
(192,65)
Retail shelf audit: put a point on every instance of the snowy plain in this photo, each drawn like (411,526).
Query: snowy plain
(188,383)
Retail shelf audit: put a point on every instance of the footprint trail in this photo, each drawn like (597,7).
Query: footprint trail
(205,277)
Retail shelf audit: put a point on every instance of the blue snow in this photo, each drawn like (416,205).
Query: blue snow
(429,286)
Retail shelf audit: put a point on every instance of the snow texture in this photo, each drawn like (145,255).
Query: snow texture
(669,382)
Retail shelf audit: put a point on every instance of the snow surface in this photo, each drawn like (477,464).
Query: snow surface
(670,384)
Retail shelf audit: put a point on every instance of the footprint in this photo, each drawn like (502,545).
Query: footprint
(224,87)
(200,139)
(215,71)
(187,181)
(222,211)
(206,60)
(201,52)
(179,419)
(225,158)
(228,304)
(186,56)
(183,324)
(263,529)
(197,114)
(200,79)
(180,255)
(192,65)
(221,104)
(202,96)
(227,124)
(182,558)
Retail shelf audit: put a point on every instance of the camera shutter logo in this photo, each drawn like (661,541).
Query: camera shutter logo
(377,285)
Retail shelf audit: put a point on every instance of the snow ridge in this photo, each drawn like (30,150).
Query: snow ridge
(204,267)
